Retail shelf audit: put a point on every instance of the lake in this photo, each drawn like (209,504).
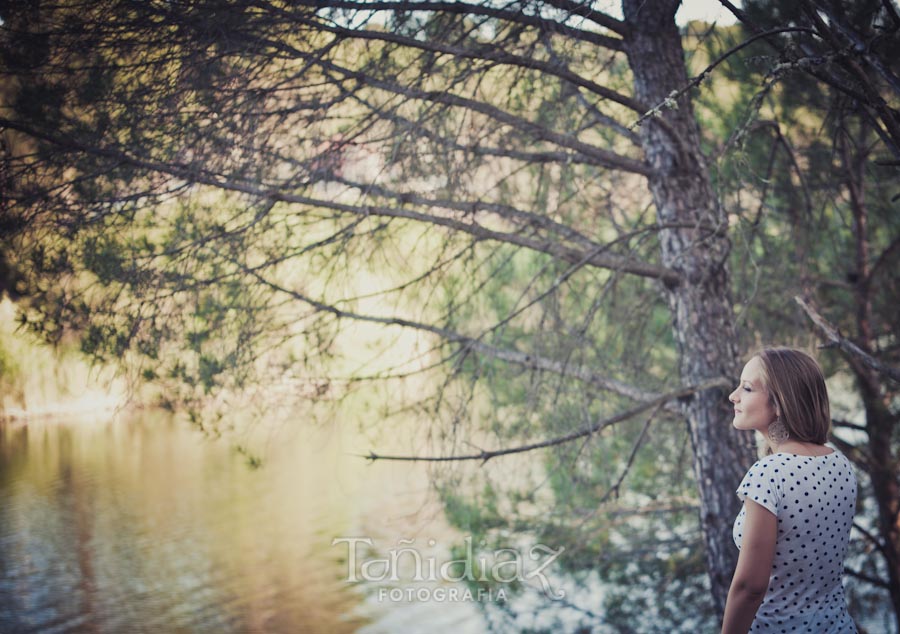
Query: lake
(143,524)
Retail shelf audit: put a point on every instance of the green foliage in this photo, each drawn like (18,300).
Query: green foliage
(788,166)
(10,370)
(213,195)
(475,515)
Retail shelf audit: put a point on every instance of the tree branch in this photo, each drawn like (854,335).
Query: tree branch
(605,158)
(789,150)
(835,338)
(587,11)
(486,455)
(867,578)
(739,14)
(204,177)
(523,359)
(872,539)
(884,255)
(614,489)
(696,81)
(465,8)
(848,425)
(490,55)
(853,453)
(505,211)
(860,47)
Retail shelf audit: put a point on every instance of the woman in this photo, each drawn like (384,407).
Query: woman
(799,501)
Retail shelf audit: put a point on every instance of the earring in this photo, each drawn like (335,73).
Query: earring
(777,432)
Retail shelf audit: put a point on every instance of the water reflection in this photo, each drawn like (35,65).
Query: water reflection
(146,526)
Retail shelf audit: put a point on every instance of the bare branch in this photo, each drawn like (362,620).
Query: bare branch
(872,97)
(892,13)
(490,55)
(605,158)
(848,425)
(835,338)
(657,507)
(523,359)
(503,210)
(872,539)
(614,489)
(780,139)
(884,255)
(696,81)
(861,47)
(465,8)
(587,11)
(739,14)
(486,455)
(867,578)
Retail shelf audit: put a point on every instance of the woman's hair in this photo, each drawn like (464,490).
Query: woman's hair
(796,387)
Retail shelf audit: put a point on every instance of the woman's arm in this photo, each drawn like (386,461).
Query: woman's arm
(751,577)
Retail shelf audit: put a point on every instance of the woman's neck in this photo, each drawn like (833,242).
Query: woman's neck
(800,448)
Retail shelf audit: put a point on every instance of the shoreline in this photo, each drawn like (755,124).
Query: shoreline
(94,405)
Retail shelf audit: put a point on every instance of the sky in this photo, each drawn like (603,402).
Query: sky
(708,10)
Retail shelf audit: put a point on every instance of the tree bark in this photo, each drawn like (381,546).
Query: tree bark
(879,426)
(701,306)
(880,422)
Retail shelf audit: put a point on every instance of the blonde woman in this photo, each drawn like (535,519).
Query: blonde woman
(799,501)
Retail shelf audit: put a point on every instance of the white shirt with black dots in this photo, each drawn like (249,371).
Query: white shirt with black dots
(814,498)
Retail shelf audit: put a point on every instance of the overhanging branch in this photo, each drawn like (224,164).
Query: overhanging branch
(488,55)
(200,176)
(593,428)
(465,8)
(524,359)
(603,157)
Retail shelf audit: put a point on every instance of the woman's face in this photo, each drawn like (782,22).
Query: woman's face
(752,408)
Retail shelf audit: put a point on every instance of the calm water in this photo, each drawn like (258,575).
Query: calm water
(143,525)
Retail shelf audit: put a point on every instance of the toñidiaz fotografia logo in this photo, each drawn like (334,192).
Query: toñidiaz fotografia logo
(439,579)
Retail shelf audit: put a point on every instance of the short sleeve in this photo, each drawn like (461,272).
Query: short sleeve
(762,484)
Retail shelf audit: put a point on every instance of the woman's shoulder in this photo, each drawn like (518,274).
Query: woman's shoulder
(767,465)
(766,462)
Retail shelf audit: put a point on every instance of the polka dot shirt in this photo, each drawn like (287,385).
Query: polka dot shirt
(814,498)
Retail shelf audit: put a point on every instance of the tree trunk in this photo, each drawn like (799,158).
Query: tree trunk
(880,423)
(701,306)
